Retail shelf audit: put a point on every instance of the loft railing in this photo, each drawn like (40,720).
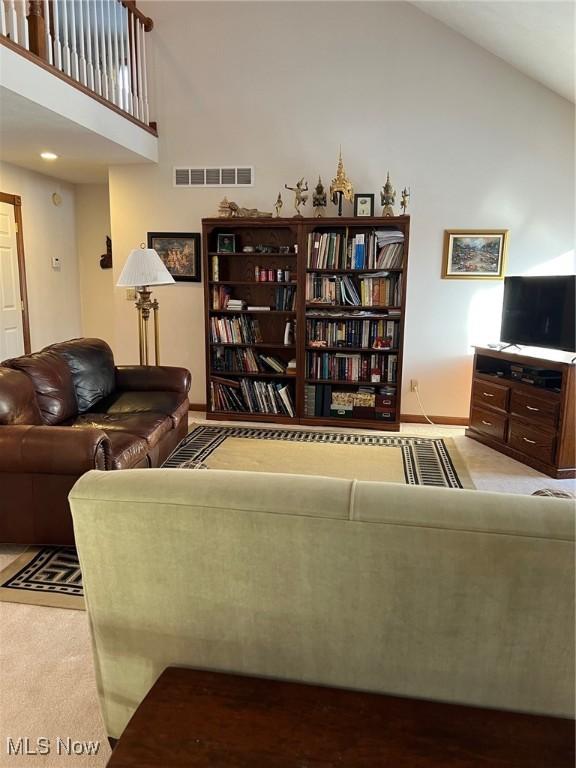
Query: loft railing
(99,44)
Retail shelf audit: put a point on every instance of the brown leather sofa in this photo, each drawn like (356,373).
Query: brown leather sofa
(68,409)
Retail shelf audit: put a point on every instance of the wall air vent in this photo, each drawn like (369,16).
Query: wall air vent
(240,176)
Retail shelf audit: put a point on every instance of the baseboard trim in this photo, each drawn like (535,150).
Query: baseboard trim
(414,418)
(197,407)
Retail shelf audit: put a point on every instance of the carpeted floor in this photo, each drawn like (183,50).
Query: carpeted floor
(47,682)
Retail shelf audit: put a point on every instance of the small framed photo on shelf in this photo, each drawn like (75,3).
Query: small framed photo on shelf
(226,243)
(363,205)
(474,254)
(180,253)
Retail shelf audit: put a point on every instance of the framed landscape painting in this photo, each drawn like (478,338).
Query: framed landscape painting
(179,252)
(478,254)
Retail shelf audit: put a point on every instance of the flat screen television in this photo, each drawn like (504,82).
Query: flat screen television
(539,312)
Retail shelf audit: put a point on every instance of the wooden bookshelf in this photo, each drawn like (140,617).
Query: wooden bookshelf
(236,277)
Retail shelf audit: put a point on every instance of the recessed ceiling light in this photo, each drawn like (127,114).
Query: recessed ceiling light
(48,156)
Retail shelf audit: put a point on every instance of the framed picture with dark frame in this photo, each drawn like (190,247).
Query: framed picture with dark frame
(363,205)
(226,243)
(474,254)
(180,253)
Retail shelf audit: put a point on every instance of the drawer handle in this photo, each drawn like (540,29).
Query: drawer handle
(531,408)
(526,440)
(488,423)
(487,394)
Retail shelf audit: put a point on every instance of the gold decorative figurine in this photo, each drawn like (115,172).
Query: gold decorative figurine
(229,210)
(388,197)
(319,199)
(278,205)
(405,200)
(341,186)
(299,197)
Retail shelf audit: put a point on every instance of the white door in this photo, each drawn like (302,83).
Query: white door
(11,327)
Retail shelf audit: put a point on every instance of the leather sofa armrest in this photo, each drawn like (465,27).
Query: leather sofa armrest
(53,450)
(157,378)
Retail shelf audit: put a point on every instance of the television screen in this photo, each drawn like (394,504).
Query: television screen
(539,312)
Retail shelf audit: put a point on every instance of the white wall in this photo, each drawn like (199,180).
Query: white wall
(53,294)
(281,86)
(96,284)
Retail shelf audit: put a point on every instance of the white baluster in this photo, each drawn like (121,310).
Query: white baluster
(94,40)
(109,54)
(57,37)
(135,86)
(82,26)
(23,25)
(49,49)
(75,69)
(12,21)
(3,25)
(123,69)
(139,64)
(144,88)
(103,56)
(65,38)
(118,81)
(89,59)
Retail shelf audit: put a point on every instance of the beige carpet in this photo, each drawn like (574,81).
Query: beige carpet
(47,685)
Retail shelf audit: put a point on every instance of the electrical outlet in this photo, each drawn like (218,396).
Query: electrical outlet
(130,294)
(413,385)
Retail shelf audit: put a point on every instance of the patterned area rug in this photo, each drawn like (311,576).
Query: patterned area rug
(44,576)
(387,458)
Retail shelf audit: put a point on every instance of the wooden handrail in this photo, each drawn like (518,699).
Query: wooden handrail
(146,20)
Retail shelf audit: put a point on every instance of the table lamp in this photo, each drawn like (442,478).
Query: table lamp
(144,268)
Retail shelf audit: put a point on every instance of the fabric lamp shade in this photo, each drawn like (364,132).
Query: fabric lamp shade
(144,267)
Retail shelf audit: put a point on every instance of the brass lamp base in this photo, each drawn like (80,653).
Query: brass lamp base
(144,305)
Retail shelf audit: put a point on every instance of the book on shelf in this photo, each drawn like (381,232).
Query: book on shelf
(251,396)
(374,290)
(272,363)
(351,366)
(235,330)
(258,309)
(368,334)
(364,250)
(285,298)
(326,400)
(222,299)
(215,269)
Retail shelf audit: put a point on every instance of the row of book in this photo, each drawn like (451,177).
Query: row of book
(285,298)
(235,330)
(347,366)
(379,290)
(373,249)
(324,400)
(354,333)
(251,396)
(246,360)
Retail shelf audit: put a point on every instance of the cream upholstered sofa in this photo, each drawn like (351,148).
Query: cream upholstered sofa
(452,595)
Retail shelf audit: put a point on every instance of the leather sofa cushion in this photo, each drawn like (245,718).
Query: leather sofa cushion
(173,404)
(52,382)
(91,363)
(149,426)
(127,450)
(18,403)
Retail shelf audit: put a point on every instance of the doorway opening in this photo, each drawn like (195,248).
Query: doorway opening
(14,318)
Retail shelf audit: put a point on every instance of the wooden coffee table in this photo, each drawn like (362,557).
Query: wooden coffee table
(196,719)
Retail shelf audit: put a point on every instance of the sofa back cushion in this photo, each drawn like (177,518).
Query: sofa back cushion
(91,364)
(18,404)
(52,383)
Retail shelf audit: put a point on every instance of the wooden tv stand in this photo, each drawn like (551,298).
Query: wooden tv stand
(512,411)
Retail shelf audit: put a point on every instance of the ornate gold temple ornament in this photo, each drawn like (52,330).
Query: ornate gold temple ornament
(341,186)
(388,197)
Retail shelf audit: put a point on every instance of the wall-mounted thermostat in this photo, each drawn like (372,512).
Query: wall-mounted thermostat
(55,262)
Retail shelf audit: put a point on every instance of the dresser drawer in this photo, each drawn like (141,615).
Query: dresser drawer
(489,423)
(485,393)
(535,442)
(537,408)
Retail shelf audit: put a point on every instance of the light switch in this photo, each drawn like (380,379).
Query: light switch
(55,262)
(130,294)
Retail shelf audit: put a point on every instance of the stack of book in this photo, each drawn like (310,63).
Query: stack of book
(235,304)
(346,366)
(235,330)
(354,333)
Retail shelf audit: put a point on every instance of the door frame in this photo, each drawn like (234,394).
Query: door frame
(16,201)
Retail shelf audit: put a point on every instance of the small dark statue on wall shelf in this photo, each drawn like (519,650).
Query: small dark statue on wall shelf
(319,199)
(106,258)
